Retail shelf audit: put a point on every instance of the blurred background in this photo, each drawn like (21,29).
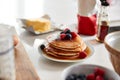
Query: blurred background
(56,9)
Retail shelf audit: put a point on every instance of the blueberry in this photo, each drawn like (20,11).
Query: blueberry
(71,77)
(81,76)
(42,46)
(68,36)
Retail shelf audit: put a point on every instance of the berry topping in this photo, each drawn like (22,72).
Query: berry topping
(68,36)
(99,72)
(42,46)
(82,55)
(90,76)
(67,30)
(62,36)
(73,34)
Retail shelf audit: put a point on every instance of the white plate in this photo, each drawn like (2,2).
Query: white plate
(30,29)
(63,60)
(54,26)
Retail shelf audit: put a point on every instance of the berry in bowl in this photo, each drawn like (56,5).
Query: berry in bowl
(66,46)
(89,72)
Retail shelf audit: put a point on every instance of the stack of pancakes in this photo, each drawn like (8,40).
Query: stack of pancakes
(65,49)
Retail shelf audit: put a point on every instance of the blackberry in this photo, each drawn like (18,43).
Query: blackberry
(81,76)
(42,46)
(67,31)
(71,77)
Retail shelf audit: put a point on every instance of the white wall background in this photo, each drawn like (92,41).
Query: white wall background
(61,11)
(8,11)
(30,8)
(115,10)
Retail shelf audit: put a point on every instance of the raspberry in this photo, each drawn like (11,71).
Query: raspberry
(90,76)
(99,78)
(62,36)
(99,72)
(82,55)
(74,35)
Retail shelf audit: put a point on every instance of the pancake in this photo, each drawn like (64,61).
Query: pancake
(62,57)
(69,44)
(64,49)
(61,54)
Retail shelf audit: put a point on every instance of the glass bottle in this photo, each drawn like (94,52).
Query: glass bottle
(103,21)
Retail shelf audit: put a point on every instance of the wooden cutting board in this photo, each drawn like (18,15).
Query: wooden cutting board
(24,68)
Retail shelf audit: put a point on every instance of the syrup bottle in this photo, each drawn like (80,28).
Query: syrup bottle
(103,21)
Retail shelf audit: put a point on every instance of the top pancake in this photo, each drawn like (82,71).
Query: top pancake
(69,44)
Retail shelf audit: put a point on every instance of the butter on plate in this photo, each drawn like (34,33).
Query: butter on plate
(39,25)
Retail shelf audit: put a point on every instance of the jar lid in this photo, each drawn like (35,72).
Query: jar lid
(104,3)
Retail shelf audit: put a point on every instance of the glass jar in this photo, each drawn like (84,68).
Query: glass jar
(87,10)
(102,23)
(7,64)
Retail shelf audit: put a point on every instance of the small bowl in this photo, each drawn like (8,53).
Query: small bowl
(87,69)
(112,44)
